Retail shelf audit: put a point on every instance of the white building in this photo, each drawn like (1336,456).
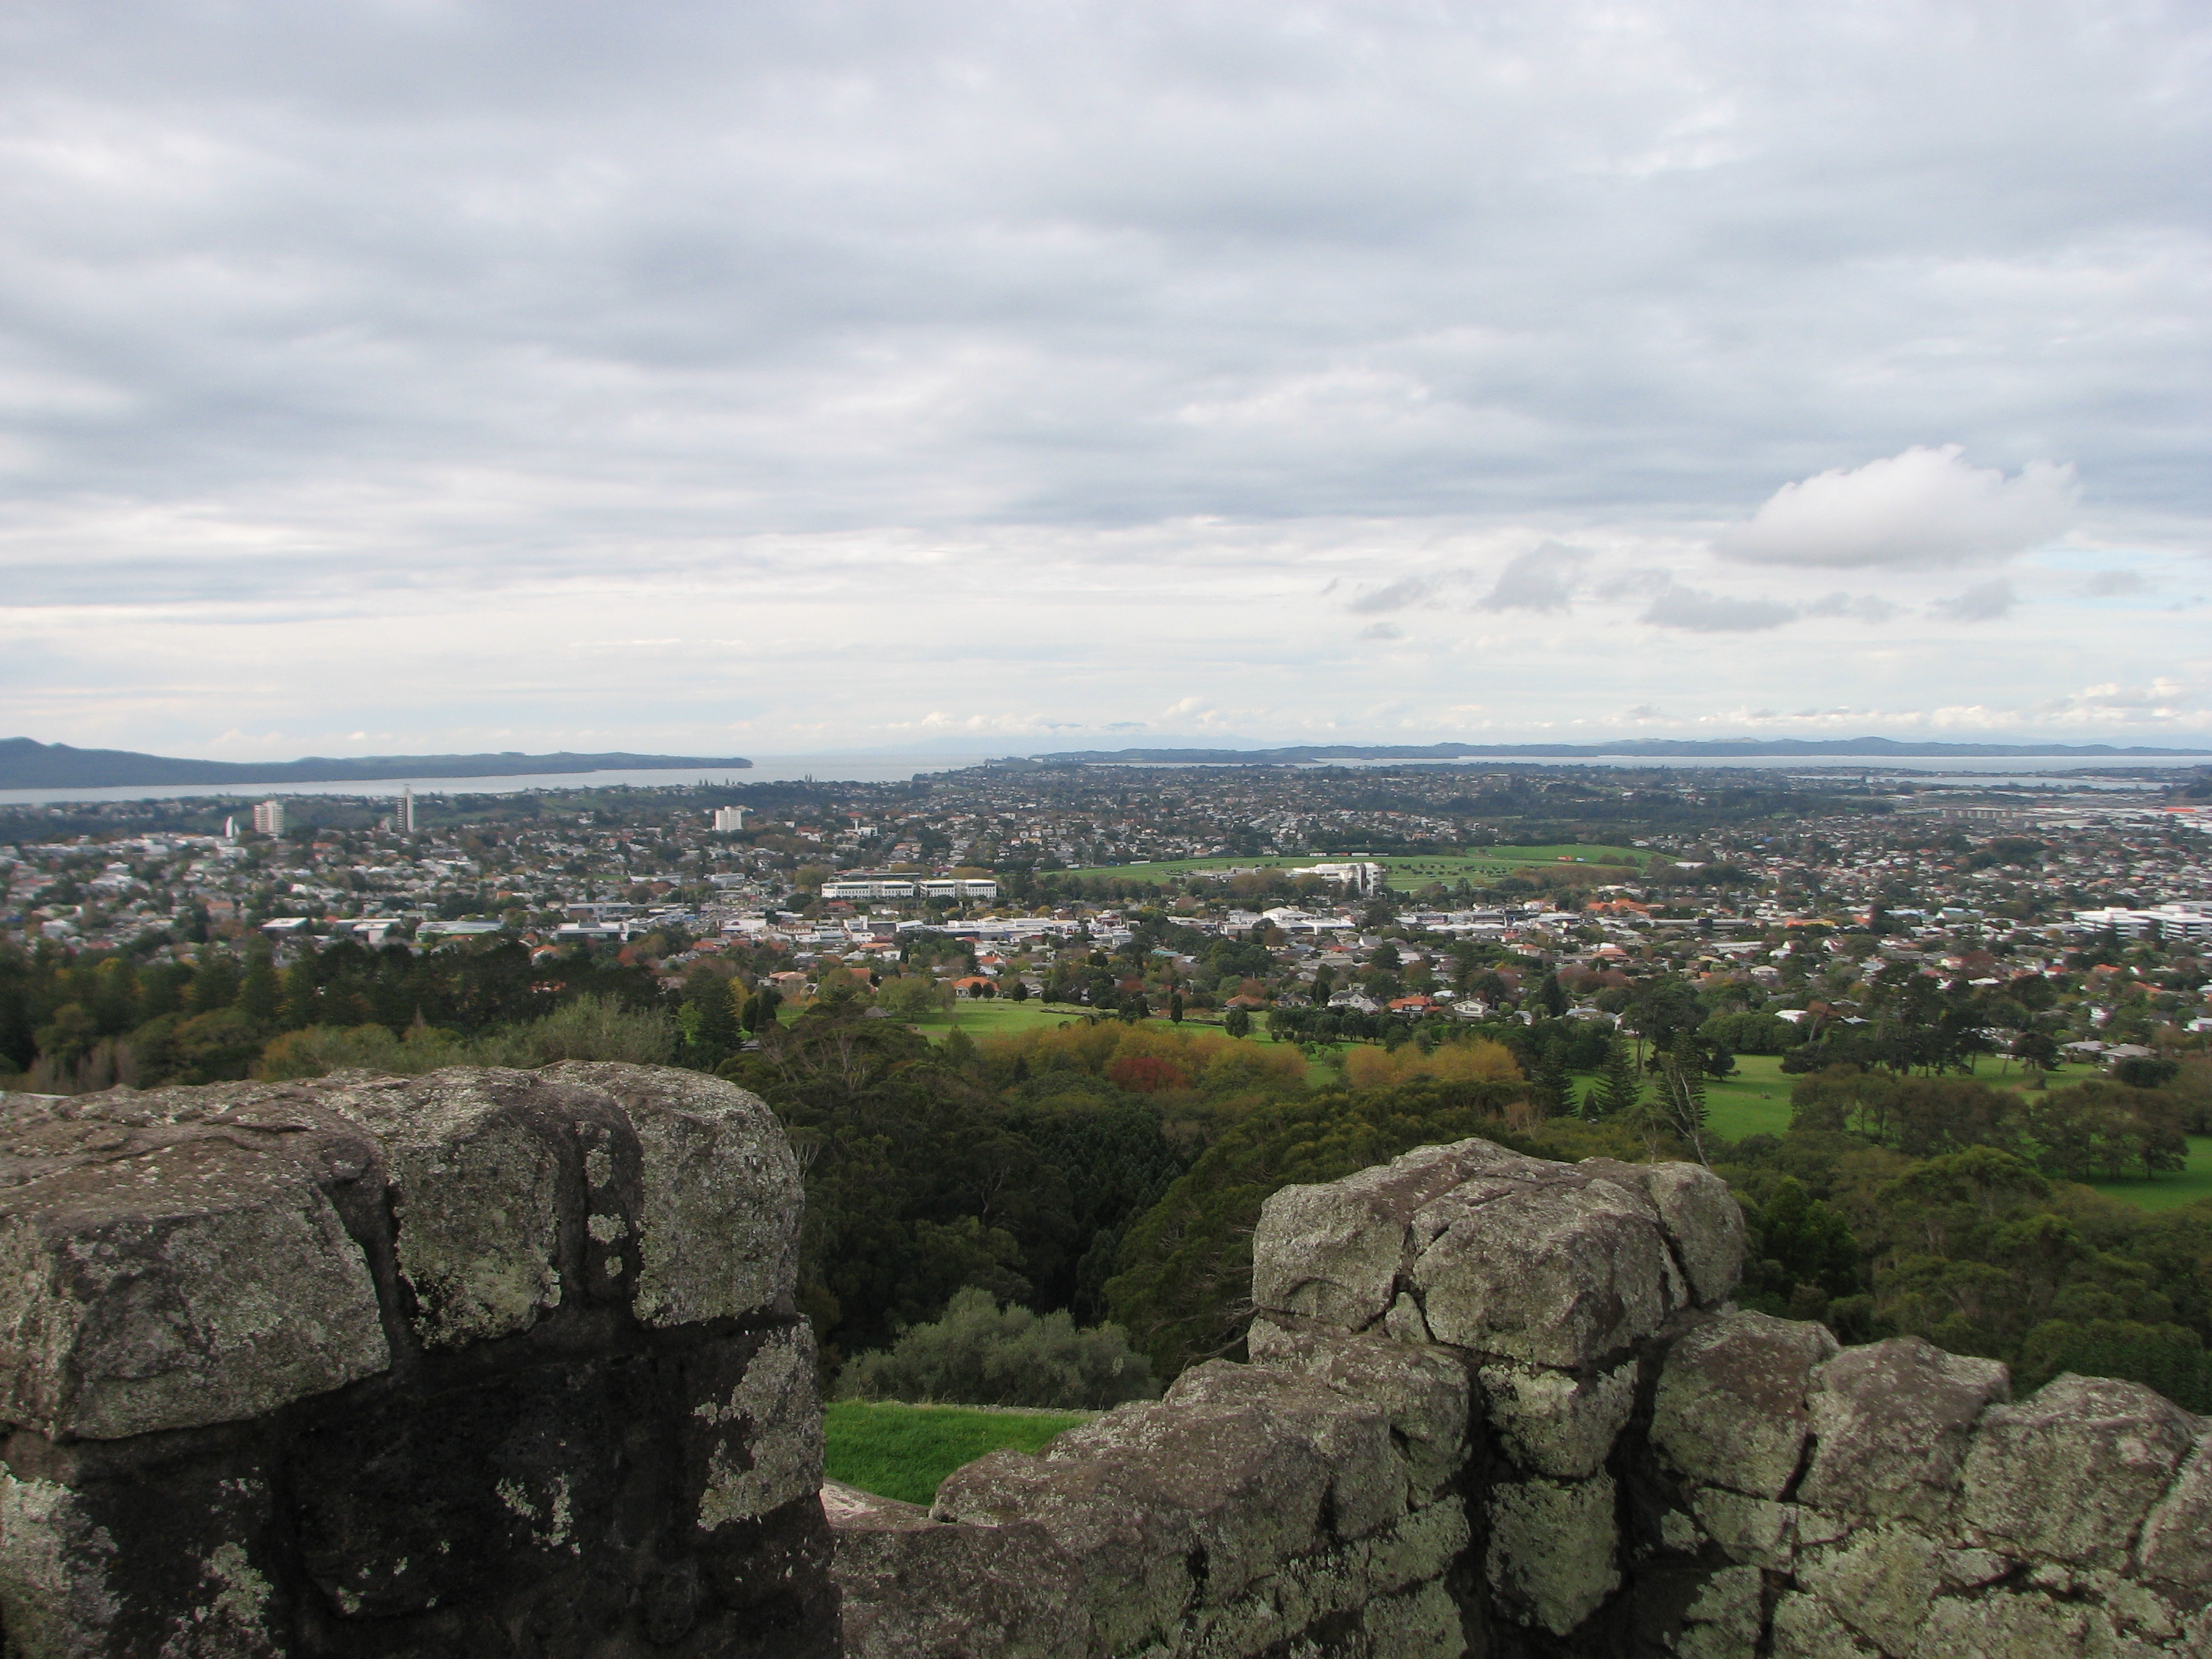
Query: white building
(728,820)
(269,819)
(1359,877)
(2181,919)
(959,887)
(403,819)
(870,887)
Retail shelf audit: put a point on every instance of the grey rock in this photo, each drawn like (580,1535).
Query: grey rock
(1163,1505)
(2004,1623)
(1390,1583)
(138,1239)
(1751,1530)
(1730,1406)
(183,1572)
(1556,1423)
(1549,1275)
(2177,1535)
(718,1219)
(1725,1618)
(1805,1627)
(1890,1427)
(1422,1623)
(910,1585)
(1331,1253)
(1702,1219)
(1405,1323)
(2071,1471)
(1970,1569)
(475,1194)
(1553,1555)
(1424,1392)
(1879,1582)
(1367,1488)
(755,1439)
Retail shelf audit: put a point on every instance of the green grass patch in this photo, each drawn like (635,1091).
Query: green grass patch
(989,1017)
(2164,1192)
(904,1451)
(1405,874)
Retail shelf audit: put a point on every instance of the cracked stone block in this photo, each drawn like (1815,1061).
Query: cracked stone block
(138,1233)
(1552,1557)
(2071,1471)
(1730,1409)
(1890,1427)
(1556,1423)
(718,1222)
(2177,1535)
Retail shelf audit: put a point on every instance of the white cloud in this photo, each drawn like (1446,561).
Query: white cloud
(1382,631)
(1926,506)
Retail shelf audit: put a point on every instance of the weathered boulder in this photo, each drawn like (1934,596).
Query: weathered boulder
(717,1189)
(910,1585)
(1164,1505)
(2177,1534)
(2071,1471)
(1480,1248)
(1726,1617)
(1558,1423)
(1553,1553)
(1730,1408)
(137,1235)
(370,1366)
(1890,1422)
(1333,1253)
(1880,1581)
(1703,1220)
(1422,1390)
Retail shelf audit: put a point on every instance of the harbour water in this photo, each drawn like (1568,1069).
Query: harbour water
(876,766)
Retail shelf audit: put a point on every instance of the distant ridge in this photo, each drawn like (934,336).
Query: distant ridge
(1668,748)
(26,763)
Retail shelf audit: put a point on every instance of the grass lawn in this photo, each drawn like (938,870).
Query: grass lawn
(1756,1101)
(1405,874)
(903,1451)
(2165,1192)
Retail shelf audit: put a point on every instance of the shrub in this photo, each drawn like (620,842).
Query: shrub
(982,1354)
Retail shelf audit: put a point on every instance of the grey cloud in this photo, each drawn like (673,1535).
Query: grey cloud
(362,305)
(1985,602)
(1397,595)
(2107,584)
(1864,607)
(1716,613)
(1543,579)
(1382,631)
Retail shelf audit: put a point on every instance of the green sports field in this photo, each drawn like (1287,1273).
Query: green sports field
(904,1451)
(1756,1101)
(1405,874)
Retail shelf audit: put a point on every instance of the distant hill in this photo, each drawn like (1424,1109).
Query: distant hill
(1657,748)
(26,763)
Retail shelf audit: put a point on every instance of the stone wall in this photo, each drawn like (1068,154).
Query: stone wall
(484,1363)
(1503,1406)
(493,1363)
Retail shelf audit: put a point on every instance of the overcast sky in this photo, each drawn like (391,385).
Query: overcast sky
(721,379)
